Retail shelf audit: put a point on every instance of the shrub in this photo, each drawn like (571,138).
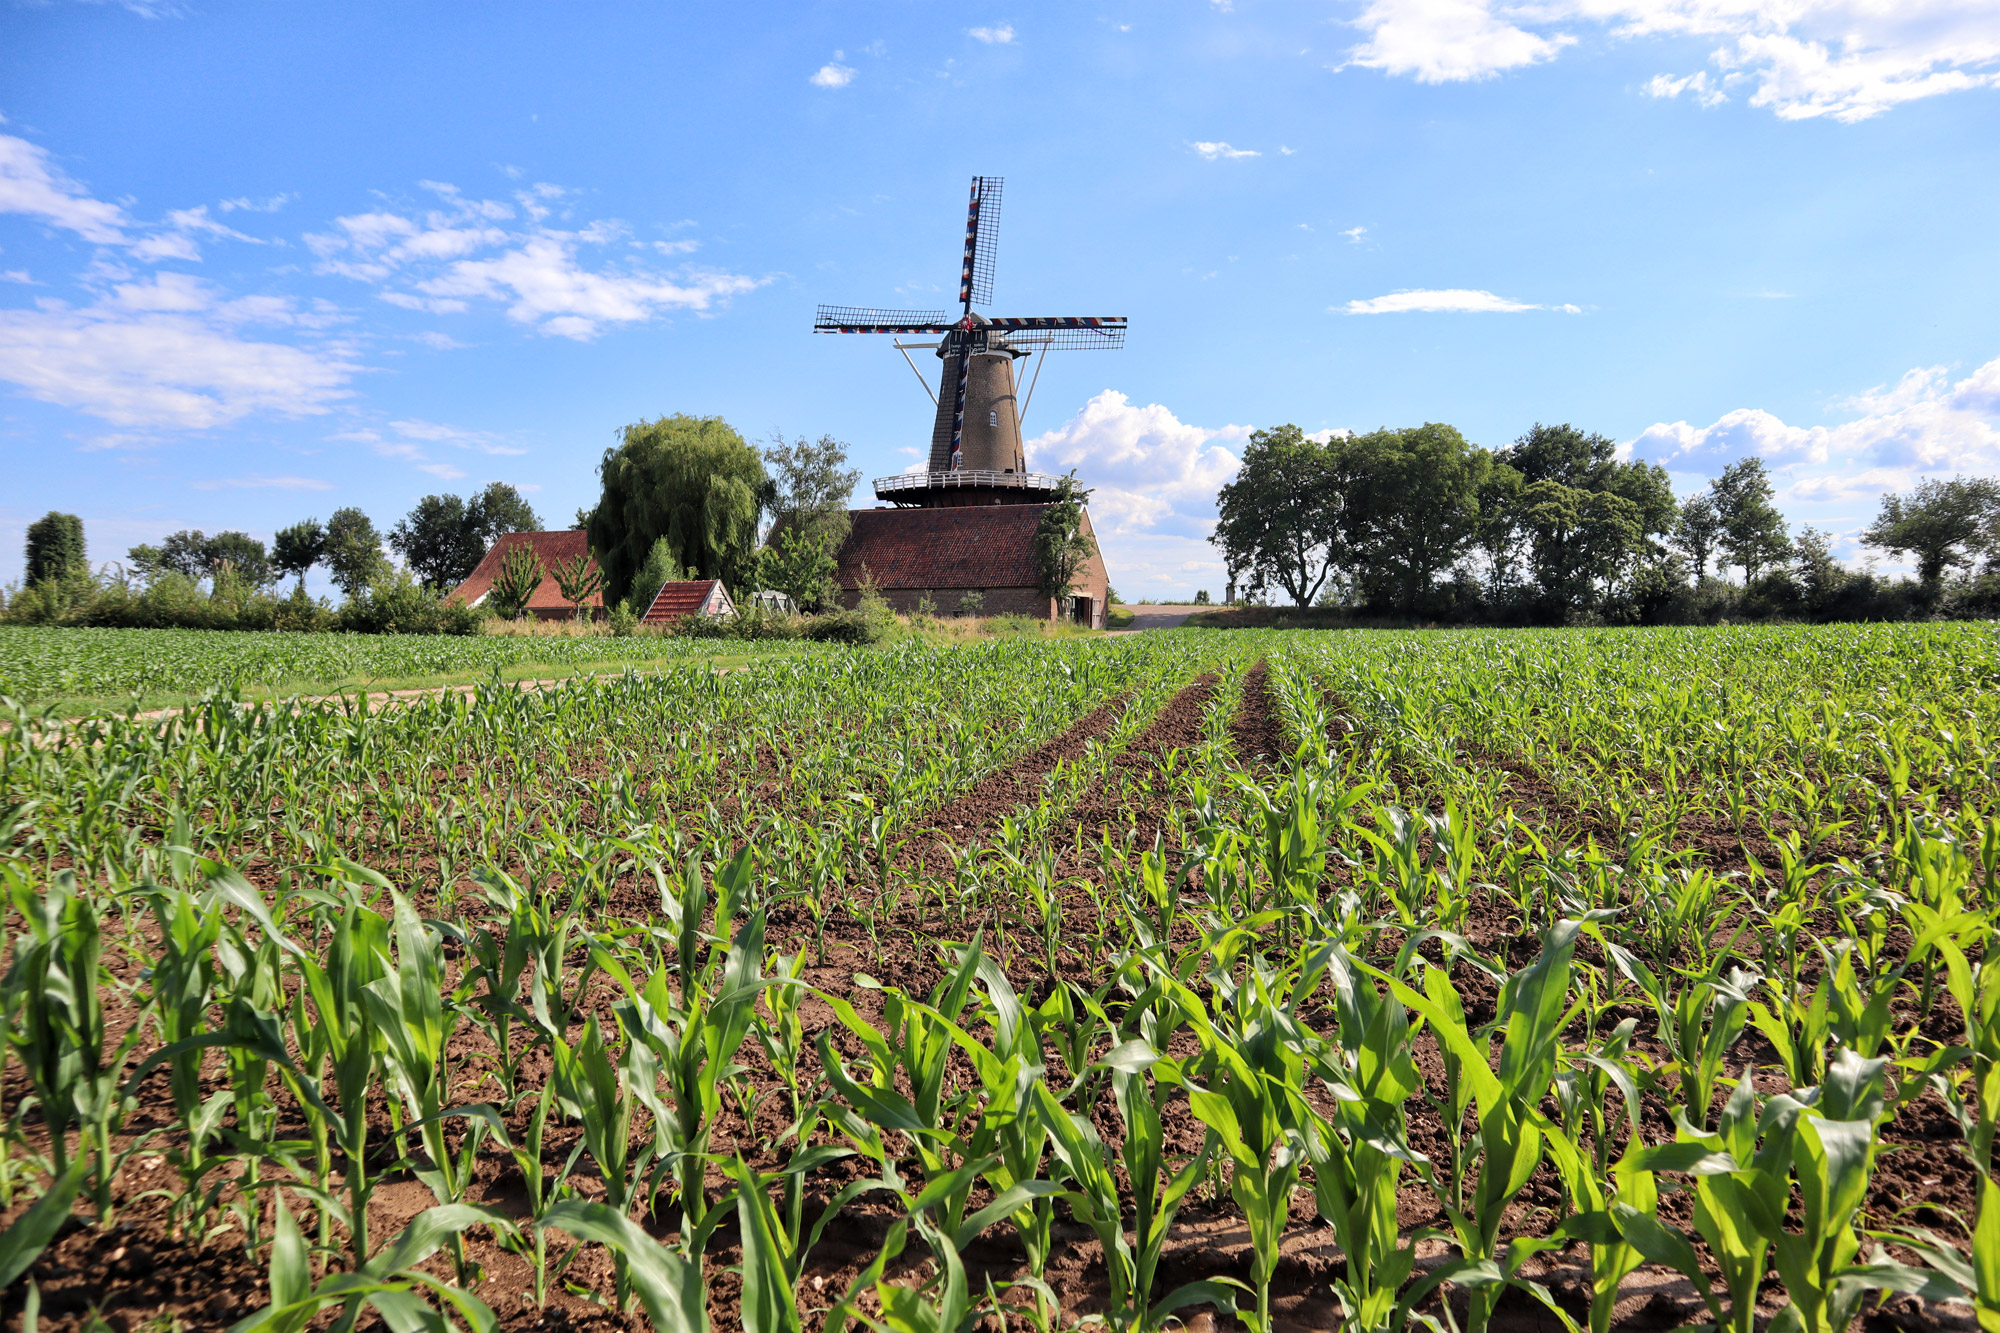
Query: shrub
(400,605)
(855,626)
(750,624)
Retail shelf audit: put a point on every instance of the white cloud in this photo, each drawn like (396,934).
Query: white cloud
(1925,422)
(1461,300)
(1217,151)
(1355,235)
(1150,469)
(544,285)
(19,275)
(446,257)
(833,74)
(246,205)
(1847,59)
(262,484)
(149,356)
(1446,41)
(998,35)
(1702,90)
(30,184)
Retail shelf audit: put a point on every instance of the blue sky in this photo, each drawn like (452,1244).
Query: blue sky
(262,261)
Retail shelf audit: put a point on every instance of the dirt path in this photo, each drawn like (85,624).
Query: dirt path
(1158,617)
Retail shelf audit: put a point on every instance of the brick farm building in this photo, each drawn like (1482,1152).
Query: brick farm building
(945,552)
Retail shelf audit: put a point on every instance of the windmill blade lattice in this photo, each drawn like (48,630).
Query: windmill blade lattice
(872,319)
(982,239)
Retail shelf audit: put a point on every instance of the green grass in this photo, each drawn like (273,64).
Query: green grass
(92,671)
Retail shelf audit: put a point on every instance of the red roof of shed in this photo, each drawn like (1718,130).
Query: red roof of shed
(680,599)
(552,547)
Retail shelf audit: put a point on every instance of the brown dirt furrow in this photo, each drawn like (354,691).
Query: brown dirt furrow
(1258,736)
(976,815)
(1178,727)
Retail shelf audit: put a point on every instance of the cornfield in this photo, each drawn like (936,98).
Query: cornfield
(1459,981)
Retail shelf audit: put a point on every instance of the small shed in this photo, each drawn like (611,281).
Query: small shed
(552,548)
(691,597)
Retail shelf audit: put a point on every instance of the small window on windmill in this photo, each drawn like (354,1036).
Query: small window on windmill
(993,417)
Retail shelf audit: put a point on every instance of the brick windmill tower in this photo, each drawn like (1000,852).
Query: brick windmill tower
(976,462)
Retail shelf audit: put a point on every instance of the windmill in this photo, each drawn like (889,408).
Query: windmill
(976,455)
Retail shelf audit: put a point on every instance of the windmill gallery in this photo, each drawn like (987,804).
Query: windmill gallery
(966,523)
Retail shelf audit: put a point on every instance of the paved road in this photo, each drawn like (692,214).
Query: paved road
(1158,617)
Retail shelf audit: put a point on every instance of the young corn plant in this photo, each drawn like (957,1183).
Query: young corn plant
(55,990)
(1505,1096)
(691,1042)
(391,1282)
(182,982)
(1243,1088)
(356,959)
(408,1009)
(1358,1153)
(1131,1261)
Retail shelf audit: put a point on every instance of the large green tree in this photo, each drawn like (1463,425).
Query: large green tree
(1418,505)
(444,538)
(1283,520)
(1942,523)
(353,554)
(691,480)
(1698,531)
(298,548)
(1753,531)
(1579,546)
(195,554)
(809,486)
(55,548)
(1579,541)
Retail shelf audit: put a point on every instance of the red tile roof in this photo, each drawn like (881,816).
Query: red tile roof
(552,547)
(682,599)
(965,546)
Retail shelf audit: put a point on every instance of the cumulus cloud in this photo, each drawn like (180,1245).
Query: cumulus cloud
(1221,151)
(166,351)
(1845,59)
(447,258)
(1925,422)
(1355,235)
(832,74)
(1149,468)
(998,35)
(1154,479)
(1459,300)
(1447,41)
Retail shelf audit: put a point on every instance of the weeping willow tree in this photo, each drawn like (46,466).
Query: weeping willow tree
(692,482)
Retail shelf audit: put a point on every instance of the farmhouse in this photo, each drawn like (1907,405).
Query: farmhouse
(944,552)
(552,548)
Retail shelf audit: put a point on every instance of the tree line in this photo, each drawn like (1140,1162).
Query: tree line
(227,580)
(1420,524)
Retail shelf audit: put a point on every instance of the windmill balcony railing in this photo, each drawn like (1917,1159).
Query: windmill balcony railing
(980,477)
